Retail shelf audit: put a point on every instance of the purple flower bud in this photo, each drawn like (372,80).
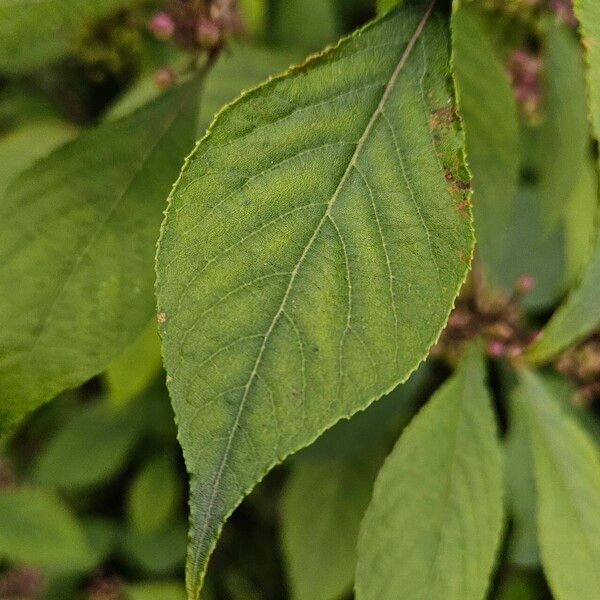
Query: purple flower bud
(525,283)
(164,77)
(162,25)
(208,33)
(496,348)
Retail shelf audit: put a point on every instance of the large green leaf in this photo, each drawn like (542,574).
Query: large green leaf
(567,470)
(77,238)
(565,130)
(489,113)
(23,146)
(323,505)
(576,318)
(36,32)
(310,256)
(37,528)
(433,526)
(588,12)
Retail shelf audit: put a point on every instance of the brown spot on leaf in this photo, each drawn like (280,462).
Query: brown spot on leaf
(162,317)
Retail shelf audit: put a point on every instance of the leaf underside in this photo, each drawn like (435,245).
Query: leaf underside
(311,253)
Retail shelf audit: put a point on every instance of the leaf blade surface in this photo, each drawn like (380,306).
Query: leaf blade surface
(567,473)
(434,523)
(274,248)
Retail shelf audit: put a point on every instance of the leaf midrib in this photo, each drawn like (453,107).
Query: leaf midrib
(198,549)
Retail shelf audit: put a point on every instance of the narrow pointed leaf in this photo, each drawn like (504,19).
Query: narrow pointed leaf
(77,239)
(323,506)
(433,526)
(310,255)
(567,469)
(588,13)
(576,318)
(565,129)
(489,113)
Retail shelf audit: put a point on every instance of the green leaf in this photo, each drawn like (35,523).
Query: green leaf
(78,234)
(323,505)
(384,5)
(567,473)
(155,590)
(35,33)
(308,25)
(154,495)
(540,254)
(156,552)
(588,13)
(489,113)
(576,318)
(310,256)
(374,428)
(102,535)
(254,15)
(521,585)
(23,146)
(133,371)
(434,523)
(89,449)
(37,528)
(565,130)
(523,547)
(580,220)
(241,69)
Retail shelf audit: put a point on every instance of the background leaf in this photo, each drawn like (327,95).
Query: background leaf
(78,232)
(576,318)
(311,253)
(135,368)
(88,449)
(434,523)
(567,469)
(489,113)
(564,132)
(244,67)
(154,495)
(323,505)
(37,528)
(523,546)
(28,143)
(34,33)
(307,25)
(588,13)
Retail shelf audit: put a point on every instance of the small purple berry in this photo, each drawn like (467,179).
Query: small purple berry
(496,348)
(525,283)
(164,77)
(208,33)
(162,25)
